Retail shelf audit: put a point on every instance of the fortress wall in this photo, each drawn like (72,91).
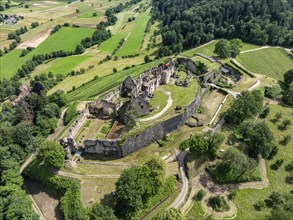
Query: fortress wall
(144,138)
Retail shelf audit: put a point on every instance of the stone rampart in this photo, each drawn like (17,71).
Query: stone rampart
(112,148)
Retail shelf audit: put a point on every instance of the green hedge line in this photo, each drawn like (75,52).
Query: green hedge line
(70,113)
(241,68)
(67,190)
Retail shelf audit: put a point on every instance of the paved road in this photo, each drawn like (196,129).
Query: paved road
(182,195)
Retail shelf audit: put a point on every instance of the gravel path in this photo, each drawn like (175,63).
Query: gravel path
(169,104)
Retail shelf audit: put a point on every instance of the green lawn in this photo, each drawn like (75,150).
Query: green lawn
(65,39)
(196,212)
(134,40)
(9,63)
(108,82)
(111,44)
(62,65)
(273,62)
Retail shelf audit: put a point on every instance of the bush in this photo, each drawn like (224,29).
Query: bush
(259,206)
(219,204)
(70,114)
(200,195)
(232,195)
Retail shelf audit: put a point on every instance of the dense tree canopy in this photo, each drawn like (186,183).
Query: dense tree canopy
(52,154)
(190,23)
(248,105)
(136,185)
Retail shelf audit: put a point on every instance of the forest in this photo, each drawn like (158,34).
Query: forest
(190,23)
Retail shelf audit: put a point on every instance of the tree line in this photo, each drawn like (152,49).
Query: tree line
(191,23)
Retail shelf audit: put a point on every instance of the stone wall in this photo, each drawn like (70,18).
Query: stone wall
(146,137)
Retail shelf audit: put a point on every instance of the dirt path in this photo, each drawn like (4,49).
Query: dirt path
(169,104)
(256,84)
(204,181)
(36,40)
(79,177)
(265,47)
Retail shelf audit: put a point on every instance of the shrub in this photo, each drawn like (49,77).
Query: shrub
(70,114)
(200,195)
(219,204)
(232,195)
(259,205)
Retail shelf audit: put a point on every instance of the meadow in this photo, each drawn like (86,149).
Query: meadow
(273,62)
(9,63)
(65,39)
(111,44)
(245,199)
(61,65)
(135,39)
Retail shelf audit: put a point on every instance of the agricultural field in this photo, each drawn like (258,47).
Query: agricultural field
(9,63)
(272,62)
(65,39)
(111,44)
(61,65)
(134,40)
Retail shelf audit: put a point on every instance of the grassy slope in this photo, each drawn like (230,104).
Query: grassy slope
(134,41)
(105,83)
(273,62)
(65,39)
(111,44)
(61,65)
(246,198)
(9,63)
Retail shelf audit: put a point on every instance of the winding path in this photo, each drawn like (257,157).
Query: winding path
(184,191)
(169,104)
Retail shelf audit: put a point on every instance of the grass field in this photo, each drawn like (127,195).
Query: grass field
(65,39)
(273,62)
(60,65)
(134,41)
(9,63)
(111,44)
